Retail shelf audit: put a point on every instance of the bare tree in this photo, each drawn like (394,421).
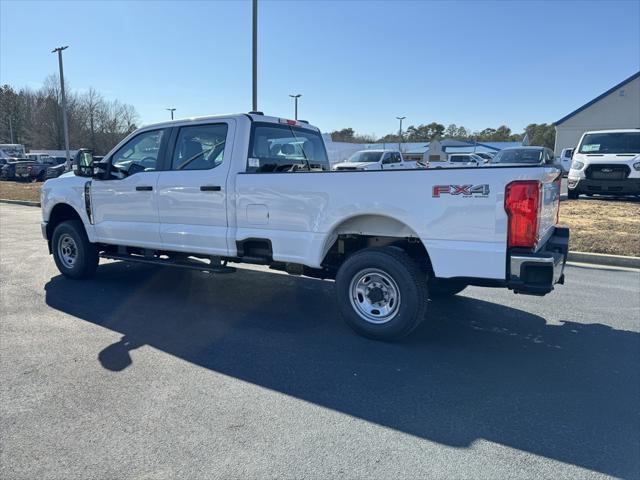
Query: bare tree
(36,118)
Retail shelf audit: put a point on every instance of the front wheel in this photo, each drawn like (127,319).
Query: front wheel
(74,255)
(572,195)
(382,294)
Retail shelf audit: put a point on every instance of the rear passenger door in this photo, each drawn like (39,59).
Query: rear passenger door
(391,161)
(192,193)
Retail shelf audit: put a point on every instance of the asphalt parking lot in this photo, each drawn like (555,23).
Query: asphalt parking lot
(151,373)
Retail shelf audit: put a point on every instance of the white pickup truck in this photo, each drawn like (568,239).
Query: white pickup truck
(249,188)
(376,160)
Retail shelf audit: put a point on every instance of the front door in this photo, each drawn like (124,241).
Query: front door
(192,193)
(124,206)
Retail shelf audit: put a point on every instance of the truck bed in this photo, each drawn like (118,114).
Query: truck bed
(461,220)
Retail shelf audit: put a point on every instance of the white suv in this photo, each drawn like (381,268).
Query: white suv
(606,162)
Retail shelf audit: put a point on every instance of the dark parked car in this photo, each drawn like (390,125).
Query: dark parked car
(49,167)
(524,156)
(57,168)
(8,170)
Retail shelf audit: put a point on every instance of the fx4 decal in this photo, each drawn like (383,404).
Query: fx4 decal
(464,190)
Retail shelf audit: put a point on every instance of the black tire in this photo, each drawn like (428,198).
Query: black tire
(407,279)
(572,194)
(444,289)
(70,241)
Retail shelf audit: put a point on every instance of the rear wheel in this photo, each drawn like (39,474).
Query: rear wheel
(74,255)
(382,294)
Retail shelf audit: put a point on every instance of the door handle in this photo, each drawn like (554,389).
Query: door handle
(144,188)
(210,188)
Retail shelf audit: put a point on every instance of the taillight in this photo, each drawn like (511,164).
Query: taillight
(522,204)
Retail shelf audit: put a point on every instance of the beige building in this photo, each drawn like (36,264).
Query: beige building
(618,107)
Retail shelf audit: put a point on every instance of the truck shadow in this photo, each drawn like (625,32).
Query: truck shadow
(478,370)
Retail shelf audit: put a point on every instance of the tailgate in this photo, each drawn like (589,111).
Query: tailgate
(22,169)
(549,205)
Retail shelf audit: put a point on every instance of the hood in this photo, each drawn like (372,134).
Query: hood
(595,158)
(67,179)
(358,165)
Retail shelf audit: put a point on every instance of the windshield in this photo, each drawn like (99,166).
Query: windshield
(361,157)
(614,142)
(518,156)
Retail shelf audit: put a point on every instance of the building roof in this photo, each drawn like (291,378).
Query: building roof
(598,98)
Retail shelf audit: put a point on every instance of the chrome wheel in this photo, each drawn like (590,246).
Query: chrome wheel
(375,296)
(67,250)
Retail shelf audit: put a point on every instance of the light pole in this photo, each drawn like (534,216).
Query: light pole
(255,57)
(64,105)
(171,110)
(400,131)
(295,98)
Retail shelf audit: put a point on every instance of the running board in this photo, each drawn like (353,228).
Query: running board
(190,264)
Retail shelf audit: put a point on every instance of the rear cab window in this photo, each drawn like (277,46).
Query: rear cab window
(275,148)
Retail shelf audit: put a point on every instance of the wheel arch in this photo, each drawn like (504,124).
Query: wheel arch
(372,230)
(59,213)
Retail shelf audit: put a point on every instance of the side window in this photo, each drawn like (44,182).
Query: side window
(396,158)
(200,147)
(284,148)
(140,154)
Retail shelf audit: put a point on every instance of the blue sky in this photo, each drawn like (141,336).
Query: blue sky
(357,64)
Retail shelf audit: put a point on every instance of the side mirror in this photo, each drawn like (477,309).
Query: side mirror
(83,164)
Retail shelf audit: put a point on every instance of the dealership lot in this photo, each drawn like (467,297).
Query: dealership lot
(145,372)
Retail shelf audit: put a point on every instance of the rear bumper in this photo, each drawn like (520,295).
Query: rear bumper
(537,273)
(629,186)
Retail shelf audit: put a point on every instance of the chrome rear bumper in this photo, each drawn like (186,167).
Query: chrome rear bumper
(537,273)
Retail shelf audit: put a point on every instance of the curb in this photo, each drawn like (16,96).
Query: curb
(21,202)
(604,259)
